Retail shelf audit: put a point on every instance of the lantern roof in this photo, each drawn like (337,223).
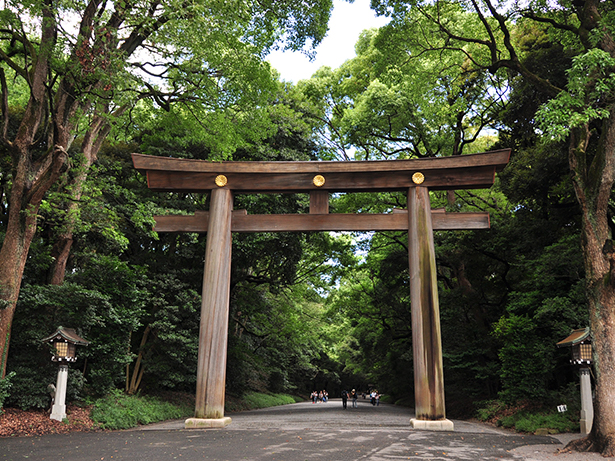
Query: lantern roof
(576,337)
(67,334)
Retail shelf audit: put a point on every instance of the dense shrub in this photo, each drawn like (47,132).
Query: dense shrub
(120,411)
(5,387)
(528,416)
(30,389)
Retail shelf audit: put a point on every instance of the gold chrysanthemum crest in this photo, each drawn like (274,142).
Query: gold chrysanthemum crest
(221,180)
(318,180)
(418,178)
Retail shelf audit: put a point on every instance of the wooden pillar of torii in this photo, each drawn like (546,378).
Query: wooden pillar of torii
(319,179)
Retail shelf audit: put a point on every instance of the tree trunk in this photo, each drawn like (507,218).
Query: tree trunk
(24,200)
(92,142)
(593,184)
(132,383)
(13,255)
(60,253)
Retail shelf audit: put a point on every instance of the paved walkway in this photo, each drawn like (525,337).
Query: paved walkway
(298,432)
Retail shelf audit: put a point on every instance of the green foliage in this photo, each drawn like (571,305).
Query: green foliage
(118,411)
(40,310)
(554,422)
(527,420)
(276,338)
(529,416)
(371,314)
(29,386)
(5,387)
(410,92)
(591,81)
(257,400)
(405,402)
(525,359)
(29,389)
(122,285)
(489,409)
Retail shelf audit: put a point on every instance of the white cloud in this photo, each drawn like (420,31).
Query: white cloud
(347,22)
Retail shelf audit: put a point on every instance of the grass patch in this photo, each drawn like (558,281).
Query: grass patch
(553,422)
(403,402)
(120,411)
(528,417)
(255,400)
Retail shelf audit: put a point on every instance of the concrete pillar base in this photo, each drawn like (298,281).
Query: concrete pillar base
(58,412)
(587,404)
(203,423)
(440,425)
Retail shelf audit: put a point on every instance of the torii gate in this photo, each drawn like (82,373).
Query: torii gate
(417,177)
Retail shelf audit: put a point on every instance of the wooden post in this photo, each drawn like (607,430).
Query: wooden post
(426,339)
(319,202)
(213,335)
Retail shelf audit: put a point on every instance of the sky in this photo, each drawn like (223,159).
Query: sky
(347,22)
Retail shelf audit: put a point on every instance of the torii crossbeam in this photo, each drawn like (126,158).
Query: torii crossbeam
(319,179)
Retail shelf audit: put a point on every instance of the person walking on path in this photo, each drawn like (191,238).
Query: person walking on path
(344,399)
(354,396)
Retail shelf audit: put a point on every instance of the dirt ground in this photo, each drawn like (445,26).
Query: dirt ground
(18,423)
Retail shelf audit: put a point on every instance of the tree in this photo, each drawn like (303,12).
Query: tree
(77,67)
(400,98)
(582,112)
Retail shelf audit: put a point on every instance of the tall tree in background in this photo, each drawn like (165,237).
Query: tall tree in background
(583,113)
(401,98)
(68,69)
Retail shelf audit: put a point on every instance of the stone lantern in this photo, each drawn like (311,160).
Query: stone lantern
(580,343)
(64,342)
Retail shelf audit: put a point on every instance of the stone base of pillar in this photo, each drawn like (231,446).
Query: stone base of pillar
(425,425)
(587,405)
(204,423)
(58,412)
(585,428)
(586,421)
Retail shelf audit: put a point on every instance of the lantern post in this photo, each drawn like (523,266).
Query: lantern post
(64,342)
(580,343)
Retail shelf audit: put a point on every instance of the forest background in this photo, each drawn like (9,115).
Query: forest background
(85,85)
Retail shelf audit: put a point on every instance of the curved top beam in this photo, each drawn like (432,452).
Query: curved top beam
(456,172)
(497,158)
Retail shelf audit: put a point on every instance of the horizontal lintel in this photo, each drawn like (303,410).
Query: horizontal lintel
(361,222)
(476,177)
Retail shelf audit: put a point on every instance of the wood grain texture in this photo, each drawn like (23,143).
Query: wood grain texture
(319,202)
(475,177)
(425,310)
(497,158)
(213,335)
(398,221)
